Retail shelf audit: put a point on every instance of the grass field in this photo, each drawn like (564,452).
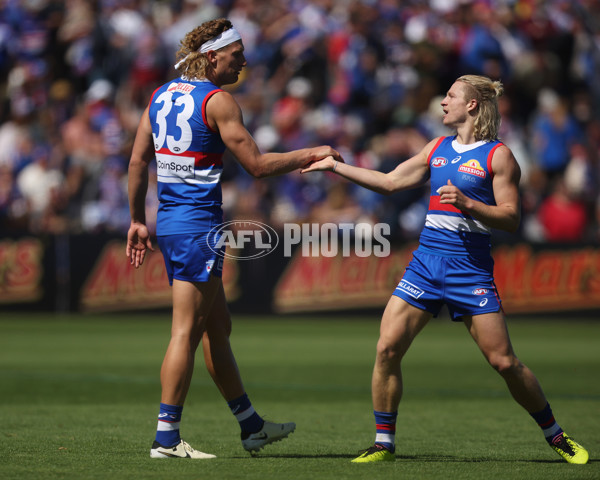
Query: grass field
(79,398)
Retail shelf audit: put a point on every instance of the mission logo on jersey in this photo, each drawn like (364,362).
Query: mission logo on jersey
(472,167)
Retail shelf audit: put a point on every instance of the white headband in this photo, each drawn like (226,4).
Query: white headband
(222,40)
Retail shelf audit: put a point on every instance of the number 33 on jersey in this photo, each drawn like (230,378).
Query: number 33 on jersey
(189,154)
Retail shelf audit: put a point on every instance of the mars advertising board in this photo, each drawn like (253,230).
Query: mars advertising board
(547,280)
(114,284)
(21,270)
(312,283)
(95,275)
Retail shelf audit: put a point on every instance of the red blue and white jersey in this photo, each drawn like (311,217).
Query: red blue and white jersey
(189,158)
(449,231)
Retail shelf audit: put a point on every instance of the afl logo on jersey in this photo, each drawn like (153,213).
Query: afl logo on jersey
(438,162)
(480,291)
(472,167)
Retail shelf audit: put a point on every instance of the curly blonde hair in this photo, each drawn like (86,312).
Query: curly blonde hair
(486,92)
(195,64)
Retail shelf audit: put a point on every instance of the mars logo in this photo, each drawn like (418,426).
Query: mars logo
(472,167)
(239,234)
(439,162)
(480,291)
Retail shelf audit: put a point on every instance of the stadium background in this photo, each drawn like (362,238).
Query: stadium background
(364,76)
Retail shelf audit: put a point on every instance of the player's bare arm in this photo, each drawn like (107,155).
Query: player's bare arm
(506,214)
(138,237)
(409,174)
(225,116)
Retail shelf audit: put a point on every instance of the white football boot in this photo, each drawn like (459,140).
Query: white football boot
(181,450)
(269,433)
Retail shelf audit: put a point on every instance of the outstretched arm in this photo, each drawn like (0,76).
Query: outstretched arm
(138,237)
(506,214)
(409,174)
(224,115)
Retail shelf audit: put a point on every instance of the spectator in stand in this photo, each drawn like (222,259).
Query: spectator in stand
(481,51)
(563,217)
(13,207)
(554,132)
(41,185)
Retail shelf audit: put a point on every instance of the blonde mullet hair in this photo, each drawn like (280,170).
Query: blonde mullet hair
(485,92)
(195,64)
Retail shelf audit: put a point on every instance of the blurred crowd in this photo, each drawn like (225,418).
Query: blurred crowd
(365,76)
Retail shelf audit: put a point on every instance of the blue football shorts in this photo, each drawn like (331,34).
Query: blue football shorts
(464,284)
(188,257)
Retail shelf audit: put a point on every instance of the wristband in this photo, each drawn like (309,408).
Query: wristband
(334,166)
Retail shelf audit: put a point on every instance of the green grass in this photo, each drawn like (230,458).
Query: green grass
(79,398)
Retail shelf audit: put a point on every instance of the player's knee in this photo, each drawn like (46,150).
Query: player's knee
(505,365)
(387,351)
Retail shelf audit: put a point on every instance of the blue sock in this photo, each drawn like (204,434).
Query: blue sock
(250,421)
(545,419)
(167,431)
(385,424)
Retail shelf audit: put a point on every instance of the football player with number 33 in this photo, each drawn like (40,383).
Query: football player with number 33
(187,126)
